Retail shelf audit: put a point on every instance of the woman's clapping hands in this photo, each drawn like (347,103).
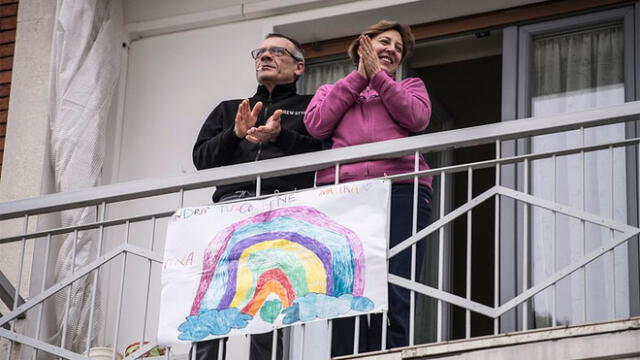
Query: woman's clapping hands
(369,64)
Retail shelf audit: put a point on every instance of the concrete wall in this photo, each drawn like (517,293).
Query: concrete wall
(25,152)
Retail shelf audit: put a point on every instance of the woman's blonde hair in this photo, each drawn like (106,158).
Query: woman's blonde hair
(408,41)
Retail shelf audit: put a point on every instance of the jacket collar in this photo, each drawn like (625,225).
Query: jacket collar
(279,92)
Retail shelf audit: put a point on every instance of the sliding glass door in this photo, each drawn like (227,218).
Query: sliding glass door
(568,65)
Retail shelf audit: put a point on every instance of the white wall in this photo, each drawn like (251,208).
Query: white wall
(174,82)
(24,168)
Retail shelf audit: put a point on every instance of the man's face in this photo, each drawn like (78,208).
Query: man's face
(276,69)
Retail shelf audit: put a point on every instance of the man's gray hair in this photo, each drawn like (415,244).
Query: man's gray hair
(297,48)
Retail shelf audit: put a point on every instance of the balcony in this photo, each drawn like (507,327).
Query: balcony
(483,287)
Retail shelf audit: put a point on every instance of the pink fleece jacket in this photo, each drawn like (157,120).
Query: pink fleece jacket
(356,111)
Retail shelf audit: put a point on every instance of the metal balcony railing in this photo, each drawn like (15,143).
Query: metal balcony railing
(122,274)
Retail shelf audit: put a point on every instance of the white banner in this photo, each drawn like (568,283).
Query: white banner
(249,267)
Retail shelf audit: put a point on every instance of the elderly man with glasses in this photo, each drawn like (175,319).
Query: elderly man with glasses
(267,125)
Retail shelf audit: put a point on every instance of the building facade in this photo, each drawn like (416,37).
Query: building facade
(533,145)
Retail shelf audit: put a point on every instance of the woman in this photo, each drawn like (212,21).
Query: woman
(365,106)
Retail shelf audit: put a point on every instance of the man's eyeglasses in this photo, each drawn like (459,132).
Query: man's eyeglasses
(275,51)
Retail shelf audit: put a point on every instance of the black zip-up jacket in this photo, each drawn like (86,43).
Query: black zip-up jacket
(217,144)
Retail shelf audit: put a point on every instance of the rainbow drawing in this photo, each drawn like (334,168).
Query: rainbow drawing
(293,262)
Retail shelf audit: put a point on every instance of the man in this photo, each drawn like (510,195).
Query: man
(265,126)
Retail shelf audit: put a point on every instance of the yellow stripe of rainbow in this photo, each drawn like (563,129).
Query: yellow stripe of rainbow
(314,270)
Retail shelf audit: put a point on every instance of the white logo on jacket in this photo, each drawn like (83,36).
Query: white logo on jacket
(293,112)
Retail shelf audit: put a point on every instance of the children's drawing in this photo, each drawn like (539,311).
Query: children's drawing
(290,263)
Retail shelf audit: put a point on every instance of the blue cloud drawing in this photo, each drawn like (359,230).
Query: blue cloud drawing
(309,307)
(212,322)
(322,306)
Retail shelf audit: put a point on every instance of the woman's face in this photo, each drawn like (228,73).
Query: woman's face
(388,46)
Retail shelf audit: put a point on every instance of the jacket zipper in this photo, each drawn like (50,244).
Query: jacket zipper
(265,111)
(367,118)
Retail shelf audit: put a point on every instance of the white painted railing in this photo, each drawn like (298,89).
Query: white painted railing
(131,218)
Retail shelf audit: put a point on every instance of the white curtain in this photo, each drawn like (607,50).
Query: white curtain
(571,72)
(85,69)
(317,75)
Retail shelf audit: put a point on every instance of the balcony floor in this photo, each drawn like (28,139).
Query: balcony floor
(606,340)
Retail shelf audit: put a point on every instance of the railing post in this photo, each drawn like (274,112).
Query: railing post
(42,287)
(467,325)
(147,290)
(414,230)
(583,192)
(554,240)
(611,254)
(94,289)
(68,298)
(525,249)
(121,295)
(440,323)
(16,295)
(496,244)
